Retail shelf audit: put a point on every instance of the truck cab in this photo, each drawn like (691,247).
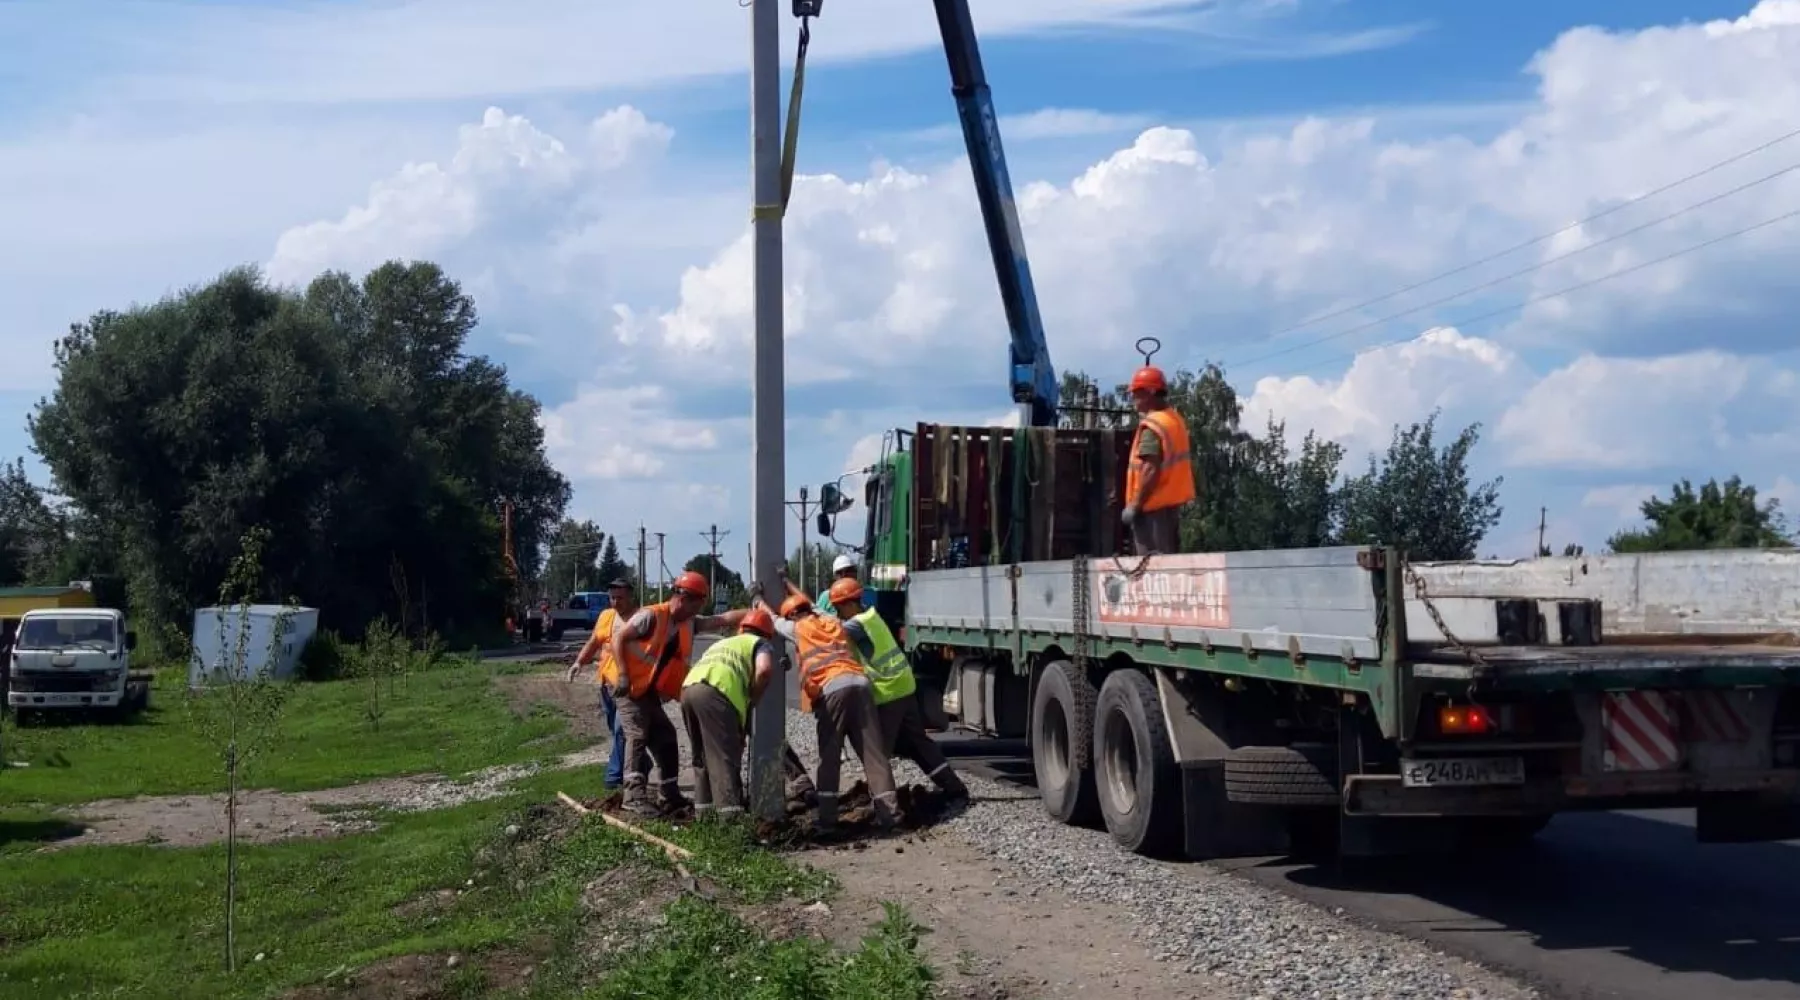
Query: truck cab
(580,612)
(72,658)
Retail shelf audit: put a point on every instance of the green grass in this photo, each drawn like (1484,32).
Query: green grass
(146,922)
(450,721)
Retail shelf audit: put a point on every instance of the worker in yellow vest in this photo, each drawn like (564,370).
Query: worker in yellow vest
(835,688)
(1161,477)
(896,689)
(652,650)
(622,604)
(715,706)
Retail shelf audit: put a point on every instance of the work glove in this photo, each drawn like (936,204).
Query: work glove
(570,676)
(1128,515)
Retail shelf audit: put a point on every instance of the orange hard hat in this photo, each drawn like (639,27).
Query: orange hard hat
(1149,379)
(758,622)
(795,605)
(845,589)
(692,583)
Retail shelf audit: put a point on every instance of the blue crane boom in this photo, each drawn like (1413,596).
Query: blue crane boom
(1034,380)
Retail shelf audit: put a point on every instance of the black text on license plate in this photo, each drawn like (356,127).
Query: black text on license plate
(1452,771)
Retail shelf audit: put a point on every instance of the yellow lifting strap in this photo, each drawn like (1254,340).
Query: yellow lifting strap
(790,141)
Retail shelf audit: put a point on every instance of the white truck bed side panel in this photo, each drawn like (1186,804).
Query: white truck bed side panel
(1722,590)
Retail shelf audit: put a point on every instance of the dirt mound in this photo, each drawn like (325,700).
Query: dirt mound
(921,807)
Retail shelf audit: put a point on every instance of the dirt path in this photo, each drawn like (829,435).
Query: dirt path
(993,942)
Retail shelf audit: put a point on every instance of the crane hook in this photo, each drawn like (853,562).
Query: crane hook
(1155,345)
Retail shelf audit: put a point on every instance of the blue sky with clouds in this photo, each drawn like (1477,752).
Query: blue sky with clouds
(1214,174)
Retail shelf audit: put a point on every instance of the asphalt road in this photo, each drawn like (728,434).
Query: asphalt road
(1604,905)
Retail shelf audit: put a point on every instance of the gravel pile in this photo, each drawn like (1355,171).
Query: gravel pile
(1263,944)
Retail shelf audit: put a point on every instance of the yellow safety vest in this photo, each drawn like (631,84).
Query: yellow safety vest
(889,670)
(728,667)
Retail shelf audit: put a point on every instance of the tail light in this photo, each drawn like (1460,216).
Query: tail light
(1465,720)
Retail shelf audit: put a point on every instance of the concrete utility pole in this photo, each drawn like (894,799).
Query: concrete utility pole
(767,404)
(642,551)
(662,568)
(712,544)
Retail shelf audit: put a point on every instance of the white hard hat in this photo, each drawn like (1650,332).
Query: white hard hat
(842,563)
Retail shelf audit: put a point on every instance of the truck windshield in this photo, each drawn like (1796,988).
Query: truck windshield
(65,633)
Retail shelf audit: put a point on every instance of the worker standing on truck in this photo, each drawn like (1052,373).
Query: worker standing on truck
(836,690)
(842,568)
(896,689)
(715,705)
(1161,478)
(652,650)
(622,604)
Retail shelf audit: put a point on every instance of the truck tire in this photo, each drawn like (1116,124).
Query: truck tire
(1304,774)
(1135,773)
(1062,712)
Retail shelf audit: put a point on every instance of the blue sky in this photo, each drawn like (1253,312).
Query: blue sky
(1207,173)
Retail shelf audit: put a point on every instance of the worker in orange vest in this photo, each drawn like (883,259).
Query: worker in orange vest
(835,688)
(1161,477)
(652,651)
(622,601)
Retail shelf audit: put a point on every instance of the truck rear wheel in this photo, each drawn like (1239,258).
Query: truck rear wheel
(1138,780)
(1062,713)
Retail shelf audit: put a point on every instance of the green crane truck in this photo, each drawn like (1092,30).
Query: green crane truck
(1248,703)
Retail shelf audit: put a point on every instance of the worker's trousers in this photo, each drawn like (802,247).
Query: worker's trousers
(848,713)
(903,726)
(716,746)
(649,731)
(1156,532)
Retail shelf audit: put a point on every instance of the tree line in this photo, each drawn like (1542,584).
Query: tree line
(1259,492)
(346,418)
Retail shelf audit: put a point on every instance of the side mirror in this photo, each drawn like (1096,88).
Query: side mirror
(823,524)
(130,641)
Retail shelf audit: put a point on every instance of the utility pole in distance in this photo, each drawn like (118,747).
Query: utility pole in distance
(768,474)
(712,537)
(805,524)
(642,551)
(662,569)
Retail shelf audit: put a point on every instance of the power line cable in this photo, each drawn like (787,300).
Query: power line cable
(1357,307)
(1383,320)
(1578,286)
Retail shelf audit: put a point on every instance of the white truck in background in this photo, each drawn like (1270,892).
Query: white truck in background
(66,659)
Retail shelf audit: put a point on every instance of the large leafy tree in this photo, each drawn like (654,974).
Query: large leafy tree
(1726,515)
(346,419)
(574,556)
(1421,497)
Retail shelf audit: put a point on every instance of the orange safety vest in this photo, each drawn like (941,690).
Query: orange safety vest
(650,661)
(607,667)
(1175,476)
(825,655)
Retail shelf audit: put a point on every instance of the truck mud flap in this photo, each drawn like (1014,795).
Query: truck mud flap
(1746,820)
(1217,828)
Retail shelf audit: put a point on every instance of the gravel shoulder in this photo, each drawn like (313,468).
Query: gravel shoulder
(1191,921)
(993,938)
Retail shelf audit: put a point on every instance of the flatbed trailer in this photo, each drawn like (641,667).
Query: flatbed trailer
(1250,703)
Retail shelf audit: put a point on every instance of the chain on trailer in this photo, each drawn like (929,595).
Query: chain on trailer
(1082,749)
(1417,582)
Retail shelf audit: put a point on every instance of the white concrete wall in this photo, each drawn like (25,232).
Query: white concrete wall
(1728,590)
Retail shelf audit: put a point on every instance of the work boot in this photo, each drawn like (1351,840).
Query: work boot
(887,811)
(955,792)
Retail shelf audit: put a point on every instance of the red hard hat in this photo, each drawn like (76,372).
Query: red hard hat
(795,605)
(758,622)
(845,589)
(1149,379)
(692,583)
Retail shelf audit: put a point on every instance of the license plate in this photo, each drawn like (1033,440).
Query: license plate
(62,699)
(1454,771)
